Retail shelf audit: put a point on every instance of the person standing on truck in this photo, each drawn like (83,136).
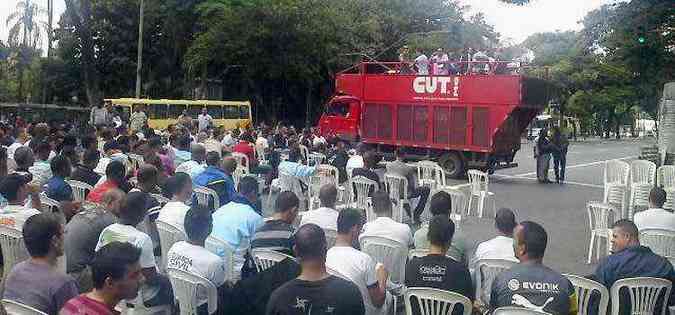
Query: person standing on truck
(542,152)
(560,143)
(440,62)
(422,63)
(404,59)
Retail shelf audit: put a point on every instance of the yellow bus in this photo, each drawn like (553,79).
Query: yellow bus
(162,113)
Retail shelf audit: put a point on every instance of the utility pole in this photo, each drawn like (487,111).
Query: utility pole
(139,58)
(50,17)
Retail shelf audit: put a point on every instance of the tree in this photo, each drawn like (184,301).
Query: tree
(25,27)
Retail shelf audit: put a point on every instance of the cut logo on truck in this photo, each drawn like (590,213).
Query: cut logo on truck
(436,88)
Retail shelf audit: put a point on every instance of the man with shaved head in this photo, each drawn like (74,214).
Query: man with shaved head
(81,235)
(326,216)
(314,290)
(195,166)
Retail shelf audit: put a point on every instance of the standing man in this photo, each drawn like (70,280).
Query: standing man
(205,120)
(560,144)
(422,63)
(137,120)
(542,152)
(98,116)
(440,62)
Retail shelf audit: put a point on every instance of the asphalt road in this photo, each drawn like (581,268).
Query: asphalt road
(559,208)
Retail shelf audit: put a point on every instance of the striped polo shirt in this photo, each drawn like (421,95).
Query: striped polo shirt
(276,235)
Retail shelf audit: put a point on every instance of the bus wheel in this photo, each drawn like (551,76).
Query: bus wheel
(452,164)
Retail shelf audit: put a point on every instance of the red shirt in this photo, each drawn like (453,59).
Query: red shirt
(96,195)
(83,305)
(246,148)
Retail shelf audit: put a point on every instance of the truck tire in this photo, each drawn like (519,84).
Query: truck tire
(452,164)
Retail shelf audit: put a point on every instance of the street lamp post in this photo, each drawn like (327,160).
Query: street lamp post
(139,59)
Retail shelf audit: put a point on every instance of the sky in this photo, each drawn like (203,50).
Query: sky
(512,22)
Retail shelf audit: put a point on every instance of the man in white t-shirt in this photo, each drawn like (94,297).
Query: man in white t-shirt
(325,216)
(356,266)
(422,63)
(500,247)
(197,164)
(15,188)
(205,120)
(191,256)
(157,288)
(655,217)
(173,212)
(356,161)
(384,226)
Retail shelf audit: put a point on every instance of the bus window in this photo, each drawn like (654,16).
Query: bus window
(156,111)
(176,110)
(230,112)
(195,110)
(216,112)
(243,112)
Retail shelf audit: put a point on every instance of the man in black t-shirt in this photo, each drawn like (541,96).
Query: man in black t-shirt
(437,270)
(314,291)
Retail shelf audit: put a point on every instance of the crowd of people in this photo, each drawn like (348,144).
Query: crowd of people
(439,63)
(141,178)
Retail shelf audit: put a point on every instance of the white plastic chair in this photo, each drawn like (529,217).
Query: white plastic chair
(185,288)
(643,293)
(80,189)
(600,218)
(16,308)
(393,255)
(432,301)
(485,273)
(203,195)
(514,310)
(478,182)
(429,173)
(665,177)
(226,253)
(168,235)
(661,242)
(325,174)
(458,198)
(642,176)
(615,182)
(288,182)
(13,249)
(266,258)
(397,186)
(360,187)
(49,205)
(584,288)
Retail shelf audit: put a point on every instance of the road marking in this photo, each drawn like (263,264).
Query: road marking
(577,166)
(566,182)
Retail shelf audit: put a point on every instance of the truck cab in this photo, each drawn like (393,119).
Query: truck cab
(341,118)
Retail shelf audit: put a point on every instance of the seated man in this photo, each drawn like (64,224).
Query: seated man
(36,281)
(237,221)
(629,259)
(116,274)
(326,216)
(173,212)
(655,217)
(357,160)
(15,188)
(441,204)
(314,290)
(454,277)
(368,170)
(397,167)
(277,233)
(531,284)
(384,226)
(156,289)
(195,166)
(82,236)
(191,256)
(114,173)
(217,179)
(183,153)
(59,190)
(500,247)
(245,146)
(85,172)
(357,266)
(41,169)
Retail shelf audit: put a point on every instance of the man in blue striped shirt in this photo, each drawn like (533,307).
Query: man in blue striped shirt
(277,234)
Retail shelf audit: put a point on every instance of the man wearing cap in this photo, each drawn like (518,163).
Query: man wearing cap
(15,189)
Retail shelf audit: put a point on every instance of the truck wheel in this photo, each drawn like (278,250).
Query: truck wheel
(452,164)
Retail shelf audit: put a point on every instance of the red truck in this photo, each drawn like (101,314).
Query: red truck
(461,121)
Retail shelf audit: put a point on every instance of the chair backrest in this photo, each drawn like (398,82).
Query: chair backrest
(13,249)
(600,215)
(289,182)
(185,288)
(397,186)
(661,242)
(478,181)
(616,171)
(431,301)
(331,236)
(393,255)
(643,292)
(458,198)
(304,152)
(266,258)
(325,174)
(16,308)
(485,273)
(430,171)
(242,161)
(642,172)
(584,289)
(514,310)
(226,253)
(361,187)
(665,176)
(80,189)
(417,252)
(205,195)
(49,205)
(168,235)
